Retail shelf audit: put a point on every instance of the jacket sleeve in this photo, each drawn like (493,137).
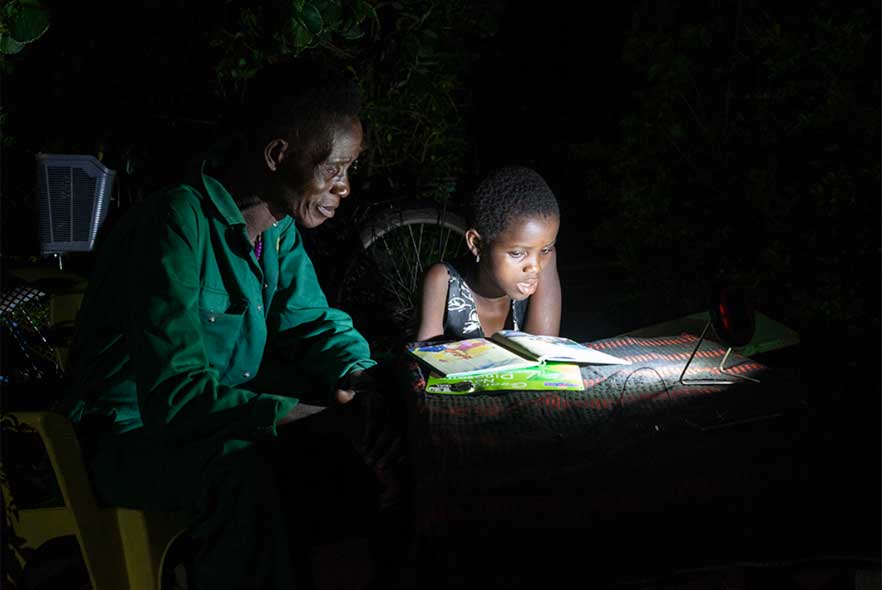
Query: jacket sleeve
(319,341)
(179,392)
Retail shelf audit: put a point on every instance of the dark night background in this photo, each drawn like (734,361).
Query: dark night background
(676,147)
(682,139)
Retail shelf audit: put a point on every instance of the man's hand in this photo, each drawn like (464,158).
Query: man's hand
(347,389)
(349,386)
(344,396)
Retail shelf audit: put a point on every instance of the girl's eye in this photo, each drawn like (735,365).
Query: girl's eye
(516,254)
(546,251)
(332,171)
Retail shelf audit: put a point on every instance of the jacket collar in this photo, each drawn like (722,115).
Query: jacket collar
(222,199)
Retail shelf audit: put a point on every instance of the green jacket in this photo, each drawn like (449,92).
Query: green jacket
(179,313)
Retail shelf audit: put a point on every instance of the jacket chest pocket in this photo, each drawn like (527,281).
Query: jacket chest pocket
(222,320)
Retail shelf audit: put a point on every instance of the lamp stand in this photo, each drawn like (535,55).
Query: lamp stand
(684,381)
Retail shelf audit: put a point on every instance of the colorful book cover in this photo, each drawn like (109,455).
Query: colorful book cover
(548,377)
(469,357)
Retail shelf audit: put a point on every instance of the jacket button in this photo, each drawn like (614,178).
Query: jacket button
(259,308)
(246,374)
(211,319)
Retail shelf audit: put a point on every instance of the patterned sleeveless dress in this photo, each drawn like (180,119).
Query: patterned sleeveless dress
(461,316)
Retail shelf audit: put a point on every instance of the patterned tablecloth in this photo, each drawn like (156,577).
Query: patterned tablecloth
(466,446)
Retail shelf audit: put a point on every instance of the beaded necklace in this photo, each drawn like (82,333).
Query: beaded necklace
(258,246)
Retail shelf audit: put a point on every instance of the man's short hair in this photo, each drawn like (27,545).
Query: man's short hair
(301,101)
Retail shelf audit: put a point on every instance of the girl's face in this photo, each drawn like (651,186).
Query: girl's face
(514,260)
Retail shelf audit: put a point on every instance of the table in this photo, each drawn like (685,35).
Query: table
(502,468)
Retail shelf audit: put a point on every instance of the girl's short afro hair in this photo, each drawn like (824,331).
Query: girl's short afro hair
(506,195)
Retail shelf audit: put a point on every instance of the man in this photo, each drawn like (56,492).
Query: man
(198,293)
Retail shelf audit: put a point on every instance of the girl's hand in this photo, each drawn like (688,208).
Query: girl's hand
(433,302)
(543,315)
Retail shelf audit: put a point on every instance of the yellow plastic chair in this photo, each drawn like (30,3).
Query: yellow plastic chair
(123,548)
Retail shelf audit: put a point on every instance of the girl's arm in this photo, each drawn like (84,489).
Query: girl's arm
(433,302)
(543,315)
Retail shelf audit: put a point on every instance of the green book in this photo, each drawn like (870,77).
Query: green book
(547,377)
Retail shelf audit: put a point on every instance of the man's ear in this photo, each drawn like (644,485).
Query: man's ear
(473,241)
(274,152)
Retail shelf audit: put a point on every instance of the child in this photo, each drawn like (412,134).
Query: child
(510,280)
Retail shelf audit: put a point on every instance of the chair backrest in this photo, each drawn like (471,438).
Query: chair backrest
(122,548)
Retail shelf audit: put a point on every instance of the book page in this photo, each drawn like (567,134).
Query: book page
(555,348)
(469,357)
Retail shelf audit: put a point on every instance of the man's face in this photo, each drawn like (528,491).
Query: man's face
(315,201)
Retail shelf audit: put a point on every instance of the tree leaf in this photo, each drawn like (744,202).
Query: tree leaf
(681,63)
(9,46)
(29,23)
(362,10)
(331,11)
(353,32)
(302,37)
(312,18)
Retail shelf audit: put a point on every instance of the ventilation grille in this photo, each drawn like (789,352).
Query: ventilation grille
(74,195)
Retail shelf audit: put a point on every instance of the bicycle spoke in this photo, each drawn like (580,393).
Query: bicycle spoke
(417,269)
(399,289)
(389,251)
(381,289)
(416,249)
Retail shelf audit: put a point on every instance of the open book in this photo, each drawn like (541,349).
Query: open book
(506,350)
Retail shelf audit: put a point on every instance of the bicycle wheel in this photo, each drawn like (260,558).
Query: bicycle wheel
(381,287)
